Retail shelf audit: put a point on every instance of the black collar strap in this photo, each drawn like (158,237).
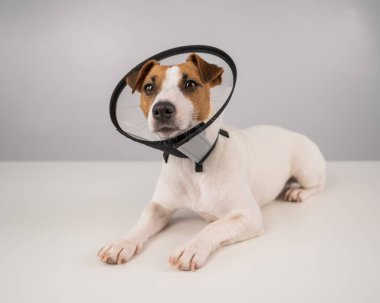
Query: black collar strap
(170,146)
(199,164)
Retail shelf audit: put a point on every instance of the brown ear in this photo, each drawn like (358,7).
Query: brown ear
(136,78)
(210,73)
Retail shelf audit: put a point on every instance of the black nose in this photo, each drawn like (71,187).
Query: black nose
(163,111)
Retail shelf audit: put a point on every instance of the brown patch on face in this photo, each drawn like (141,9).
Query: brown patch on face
(206,76)
(210,73)
(135,78)
(200,97)
(155,77)
(151,73)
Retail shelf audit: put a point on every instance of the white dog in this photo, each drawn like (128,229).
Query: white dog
(245,171)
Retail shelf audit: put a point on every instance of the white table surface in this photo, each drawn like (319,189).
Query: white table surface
(54,216)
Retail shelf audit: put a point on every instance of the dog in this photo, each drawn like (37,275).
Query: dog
(243,172)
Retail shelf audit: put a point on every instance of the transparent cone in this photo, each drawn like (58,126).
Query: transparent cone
(196,140)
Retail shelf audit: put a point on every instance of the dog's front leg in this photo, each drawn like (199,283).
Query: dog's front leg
(194,253)
(152,220)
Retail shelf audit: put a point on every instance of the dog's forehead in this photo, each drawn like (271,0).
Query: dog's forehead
(173,73)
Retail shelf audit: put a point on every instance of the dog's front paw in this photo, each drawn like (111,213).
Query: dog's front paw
(191,256)
(119,251)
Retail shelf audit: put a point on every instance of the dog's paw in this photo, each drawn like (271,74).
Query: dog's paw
(119,252)
(189,257)
(294,194)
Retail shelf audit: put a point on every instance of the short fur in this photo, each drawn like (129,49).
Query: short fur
(243,173)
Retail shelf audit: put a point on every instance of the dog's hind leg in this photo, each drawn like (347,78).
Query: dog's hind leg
(309,170)
(299,194)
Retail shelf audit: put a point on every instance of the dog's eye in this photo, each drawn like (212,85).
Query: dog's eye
(148,88)
(191,85)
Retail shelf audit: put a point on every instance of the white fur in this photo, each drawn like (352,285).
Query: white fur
(243,173)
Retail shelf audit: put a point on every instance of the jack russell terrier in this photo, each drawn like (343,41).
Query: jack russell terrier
(244,172)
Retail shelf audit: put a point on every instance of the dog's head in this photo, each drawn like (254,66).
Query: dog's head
(175,98)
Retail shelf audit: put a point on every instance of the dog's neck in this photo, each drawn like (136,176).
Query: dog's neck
(201,147)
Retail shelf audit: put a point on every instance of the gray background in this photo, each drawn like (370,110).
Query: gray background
(311,66)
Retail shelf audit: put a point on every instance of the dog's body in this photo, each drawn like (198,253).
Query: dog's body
(243,172)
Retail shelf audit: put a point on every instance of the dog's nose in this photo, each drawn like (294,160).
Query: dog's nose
(163,111)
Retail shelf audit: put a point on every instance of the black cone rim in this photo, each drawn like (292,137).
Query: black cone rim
(170,145)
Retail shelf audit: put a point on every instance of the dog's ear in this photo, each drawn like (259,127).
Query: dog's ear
(210,73)
(136,78)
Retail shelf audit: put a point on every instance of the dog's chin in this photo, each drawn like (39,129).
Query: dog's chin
(171,129)
(167,132)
